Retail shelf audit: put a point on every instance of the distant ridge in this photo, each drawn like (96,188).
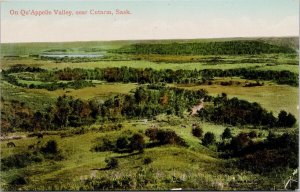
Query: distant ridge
(37,47)
(228,47)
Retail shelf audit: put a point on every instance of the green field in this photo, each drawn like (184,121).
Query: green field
(147,64)
(166,160)
(269,96)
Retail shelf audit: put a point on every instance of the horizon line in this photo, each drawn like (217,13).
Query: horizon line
(158,39)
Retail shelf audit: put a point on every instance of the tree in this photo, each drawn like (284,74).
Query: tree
(282,118)
(112,162)
(290,120)
(137,142)
(197,131)
(285,120)
(209,139)
(226,134)
(152,133)
(63,110)
(239,142)
(252,134)
(37,119)
(122,143)
(166,137)
(51,147)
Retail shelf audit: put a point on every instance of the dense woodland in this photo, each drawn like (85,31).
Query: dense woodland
(145,102)
(240,112)
(206,48)
(268,155)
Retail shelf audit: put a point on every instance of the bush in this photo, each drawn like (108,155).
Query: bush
(19,160)
(50,148)
(239,142)
(285,120)
(252,134)
(122,143)
(197,131)
(276,152)
(261,161)
(147,160)
(209,139)
(169,137)
(152,133)
(18,180)
(112,162)
(226,134)
(105,145)
(137,142)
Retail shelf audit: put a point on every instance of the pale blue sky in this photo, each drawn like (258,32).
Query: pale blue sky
(152,19)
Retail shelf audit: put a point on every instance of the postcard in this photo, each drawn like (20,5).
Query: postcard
(149,95)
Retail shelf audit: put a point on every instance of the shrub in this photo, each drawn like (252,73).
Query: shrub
(50,148)
(112,162)
(169,137)
(275,152)
(137,142)
(197,131)
(261,160)
(18,180)
(252,134)
(286,120)
(104,145)
(209,139)
(121,143)
(147,160)
(226,134)
(152,133)
(19,160)
(239,142)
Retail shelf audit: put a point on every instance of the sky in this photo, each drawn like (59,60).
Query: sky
(149,19)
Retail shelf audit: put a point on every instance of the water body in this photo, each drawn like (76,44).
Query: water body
(72,55)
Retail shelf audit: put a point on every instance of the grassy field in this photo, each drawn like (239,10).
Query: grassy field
(148,64)
(197,162)
(269,96)
(102,91)
(40,99)
(292,68)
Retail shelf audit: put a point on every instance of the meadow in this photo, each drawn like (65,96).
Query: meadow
(134,128)
(275,94)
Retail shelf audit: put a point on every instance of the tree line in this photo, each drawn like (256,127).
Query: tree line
(147,75)
(238,47)
(280,77)
(77,84)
